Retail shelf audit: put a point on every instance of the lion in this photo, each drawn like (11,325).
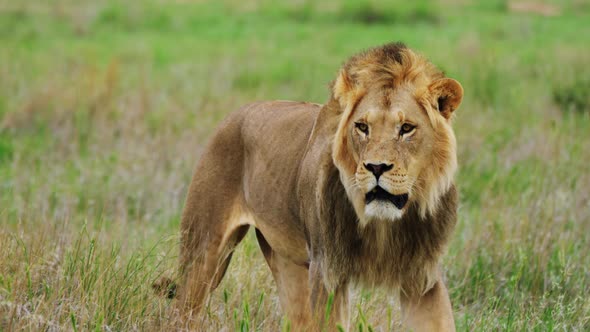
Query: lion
(359,191)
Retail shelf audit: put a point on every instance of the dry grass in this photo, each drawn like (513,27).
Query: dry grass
(104,109)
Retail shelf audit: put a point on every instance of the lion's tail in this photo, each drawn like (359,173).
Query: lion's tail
(165,287)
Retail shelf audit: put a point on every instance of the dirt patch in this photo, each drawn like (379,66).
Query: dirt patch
(531,7)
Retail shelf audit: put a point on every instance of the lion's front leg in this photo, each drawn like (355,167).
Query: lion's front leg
(429,312)
(327,314)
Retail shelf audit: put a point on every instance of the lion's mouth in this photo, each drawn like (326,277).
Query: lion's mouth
(380,194)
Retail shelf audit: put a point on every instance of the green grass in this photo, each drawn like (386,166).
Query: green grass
(105,108)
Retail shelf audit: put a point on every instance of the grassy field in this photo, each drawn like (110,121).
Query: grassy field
(105,107)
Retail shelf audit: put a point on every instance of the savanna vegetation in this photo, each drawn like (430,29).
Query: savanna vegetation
(105,107)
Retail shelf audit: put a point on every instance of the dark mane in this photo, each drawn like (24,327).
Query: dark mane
(383,253)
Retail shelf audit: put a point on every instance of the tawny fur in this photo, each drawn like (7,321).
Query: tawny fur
(295,172)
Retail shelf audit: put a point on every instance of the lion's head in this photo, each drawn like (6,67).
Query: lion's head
(394,145)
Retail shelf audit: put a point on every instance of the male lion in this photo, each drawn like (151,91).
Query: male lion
(357,191)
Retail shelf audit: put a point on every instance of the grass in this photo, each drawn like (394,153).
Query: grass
(104,110)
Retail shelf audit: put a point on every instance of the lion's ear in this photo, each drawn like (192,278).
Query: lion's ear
(447,94)
(345,90)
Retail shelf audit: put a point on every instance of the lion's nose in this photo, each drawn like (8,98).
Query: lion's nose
(377,170)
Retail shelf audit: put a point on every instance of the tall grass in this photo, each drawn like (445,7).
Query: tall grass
(104,109)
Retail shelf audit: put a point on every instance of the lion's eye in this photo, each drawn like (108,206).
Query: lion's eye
(362,127)
(406,128)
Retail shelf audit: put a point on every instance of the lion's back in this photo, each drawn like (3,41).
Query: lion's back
(275,135)
(273,126)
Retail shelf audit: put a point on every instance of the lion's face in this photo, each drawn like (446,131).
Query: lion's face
(395,153)
(391,145)
(394,145)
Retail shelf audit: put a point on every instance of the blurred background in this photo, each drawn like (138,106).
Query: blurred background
(105,107)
